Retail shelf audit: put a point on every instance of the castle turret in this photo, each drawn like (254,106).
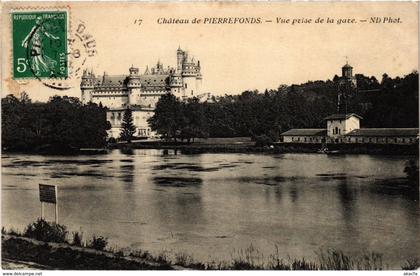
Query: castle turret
(86,86)
(133,86)
(180,59)
(199,78)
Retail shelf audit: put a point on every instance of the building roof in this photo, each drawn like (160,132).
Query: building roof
(111,80)
(342,116)
(305,132)
(157,80)
(384,132)
(347,66)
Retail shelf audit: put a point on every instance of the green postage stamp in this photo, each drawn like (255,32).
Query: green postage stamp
(40,44)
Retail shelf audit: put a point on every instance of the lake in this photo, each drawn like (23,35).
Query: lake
(212,205)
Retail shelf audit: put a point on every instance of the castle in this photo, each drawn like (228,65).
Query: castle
(141,92)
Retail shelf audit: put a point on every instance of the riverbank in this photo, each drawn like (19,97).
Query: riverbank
(246,145)
(231,145)
(26,251)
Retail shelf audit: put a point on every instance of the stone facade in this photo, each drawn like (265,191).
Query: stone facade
(141,92)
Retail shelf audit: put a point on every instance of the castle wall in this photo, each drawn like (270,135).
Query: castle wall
(139,120)
(150,100)
(190,87)
(110,101)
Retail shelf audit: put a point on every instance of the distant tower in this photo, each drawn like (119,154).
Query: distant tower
(347,74)
(346,87)
(347,71)
(133,86)
(87,85)
(199,77)
(180,59)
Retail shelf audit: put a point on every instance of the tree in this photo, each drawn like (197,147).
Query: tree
(61,124)
(127,127)
(167,119)
(194,123)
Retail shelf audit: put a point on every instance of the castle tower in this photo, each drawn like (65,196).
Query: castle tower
(189,77)
(175,82)
(87,86)
(133,86)
(199,78)
(179,59)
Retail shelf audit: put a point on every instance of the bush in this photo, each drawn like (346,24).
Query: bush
(412,172)
(411,264)
(45,231)
(262,141)
(98,243)
(77,239)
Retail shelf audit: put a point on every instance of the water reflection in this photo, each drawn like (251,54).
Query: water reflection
(299,201)
(293,192)
(347,203)
(168,181)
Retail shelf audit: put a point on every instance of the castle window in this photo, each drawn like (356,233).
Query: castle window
(185,85)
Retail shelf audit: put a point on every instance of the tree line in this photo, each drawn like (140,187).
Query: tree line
(391,102)
(64,123)
(61,124)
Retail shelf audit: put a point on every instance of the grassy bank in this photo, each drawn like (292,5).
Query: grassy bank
(47,245)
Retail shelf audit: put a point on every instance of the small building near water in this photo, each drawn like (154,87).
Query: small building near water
(345,129)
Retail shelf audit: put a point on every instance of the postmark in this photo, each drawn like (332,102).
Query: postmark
(40,45)
(82,46)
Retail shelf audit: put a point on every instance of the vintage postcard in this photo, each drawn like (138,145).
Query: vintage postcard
(210,136)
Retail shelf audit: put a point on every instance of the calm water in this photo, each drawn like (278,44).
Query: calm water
(210,204)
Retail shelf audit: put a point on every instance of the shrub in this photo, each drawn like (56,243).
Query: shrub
(412,172)
(45,231)
(98,243)
(411,264)
(262,141)
(77,238)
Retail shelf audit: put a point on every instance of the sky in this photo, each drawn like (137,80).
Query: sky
(234,57)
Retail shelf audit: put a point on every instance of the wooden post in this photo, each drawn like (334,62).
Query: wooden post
(42,210)
(56,213)
(56,206)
